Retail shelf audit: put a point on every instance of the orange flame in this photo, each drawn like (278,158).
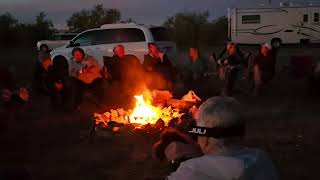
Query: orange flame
(143,113)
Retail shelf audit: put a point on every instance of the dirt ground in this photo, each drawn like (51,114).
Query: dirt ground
(284,122)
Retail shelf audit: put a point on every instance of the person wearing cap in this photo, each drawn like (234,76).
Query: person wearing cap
(224,156)
(264,66)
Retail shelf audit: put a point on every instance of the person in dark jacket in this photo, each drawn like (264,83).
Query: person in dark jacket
(230,65)
(12,98)
(52,80)
(264,66)
(61,87)
(124,67)
(41,74)
(195,71)
(159,68)
(126,75)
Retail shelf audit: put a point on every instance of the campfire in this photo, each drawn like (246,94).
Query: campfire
(149,110)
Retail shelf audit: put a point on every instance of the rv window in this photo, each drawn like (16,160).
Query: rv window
(305,18)
(250,19)
(316,17)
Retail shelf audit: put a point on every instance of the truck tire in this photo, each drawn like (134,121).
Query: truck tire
(276,42)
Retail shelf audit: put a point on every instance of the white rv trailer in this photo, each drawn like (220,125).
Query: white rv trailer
(282,25)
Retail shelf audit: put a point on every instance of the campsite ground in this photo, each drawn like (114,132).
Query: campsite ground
(284,123)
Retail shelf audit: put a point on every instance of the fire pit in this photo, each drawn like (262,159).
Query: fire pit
(146,116)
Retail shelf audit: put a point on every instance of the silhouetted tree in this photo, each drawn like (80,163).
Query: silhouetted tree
(195,29)
(14,34)
(43,27)
(185,27)
(7,29)
(97,16)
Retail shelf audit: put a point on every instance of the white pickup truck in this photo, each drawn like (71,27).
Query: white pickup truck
(56,41)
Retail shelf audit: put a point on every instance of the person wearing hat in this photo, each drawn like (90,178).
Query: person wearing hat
(220,129)
(264,66)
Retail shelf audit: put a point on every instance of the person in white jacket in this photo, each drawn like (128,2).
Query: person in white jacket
(87,75)
(224,158)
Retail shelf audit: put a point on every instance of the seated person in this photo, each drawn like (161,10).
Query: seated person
(229,67)
(123,67)
(87,73)
(52,80)
(41,74)
(195,71)
(220,132)
(126,75)
(264,66)
(159,69)
(12,97)
(224,53)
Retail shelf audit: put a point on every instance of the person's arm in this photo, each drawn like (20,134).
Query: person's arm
(147,64)
(92,65)
(205,65)
(184,172)
(222,53)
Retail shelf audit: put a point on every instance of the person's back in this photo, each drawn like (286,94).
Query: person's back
(244,164)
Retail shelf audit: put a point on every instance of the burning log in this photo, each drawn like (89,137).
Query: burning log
(147,116)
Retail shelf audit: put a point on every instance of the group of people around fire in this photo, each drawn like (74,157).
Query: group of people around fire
(212,156)
(123,75)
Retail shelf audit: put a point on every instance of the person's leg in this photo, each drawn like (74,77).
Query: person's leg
(230,79)
(78,88)
(56,99)
(68,95)
(222,73)
(99,89)
(257,80)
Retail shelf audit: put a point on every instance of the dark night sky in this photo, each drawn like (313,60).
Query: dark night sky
(142,11)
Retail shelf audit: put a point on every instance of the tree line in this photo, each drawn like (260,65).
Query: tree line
(187,29)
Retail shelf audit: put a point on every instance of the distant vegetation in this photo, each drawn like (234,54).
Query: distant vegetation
(195,29)
(97,16)
(15,34)
(187,29)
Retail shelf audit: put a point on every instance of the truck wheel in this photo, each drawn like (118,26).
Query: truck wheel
(276,43)
(44,48)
